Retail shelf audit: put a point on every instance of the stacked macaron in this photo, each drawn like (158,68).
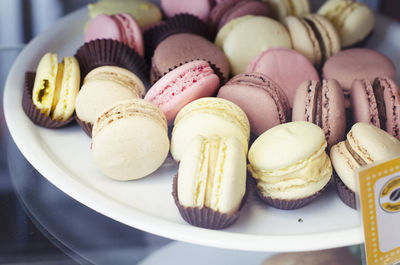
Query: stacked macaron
(223,76)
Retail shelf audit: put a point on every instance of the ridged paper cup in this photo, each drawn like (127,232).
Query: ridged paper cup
(345,194)
(290,204)
(103,52)
(180,23)
(86,126)
(206,217)
(32,111)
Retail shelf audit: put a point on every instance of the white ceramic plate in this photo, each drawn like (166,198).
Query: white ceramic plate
(63,157)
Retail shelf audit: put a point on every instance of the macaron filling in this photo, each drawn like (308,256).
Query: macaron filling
(319,38)
(183,82)
(353,153)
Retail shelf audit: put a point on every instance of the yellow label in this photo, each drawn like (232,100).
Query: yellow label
(379,189)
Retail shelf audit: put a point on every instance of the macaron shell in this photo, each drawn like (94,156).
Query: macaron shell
(358,63)
(363,103)
(286,67)
(181,86)
(103,27)
(227,28)
(199,8)
(372,143)
(392,104)
(132,31)
(250,37)
(283,8)
(183,47)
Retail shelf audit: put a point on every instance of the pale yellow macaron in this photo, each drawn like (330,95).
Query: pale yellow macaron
(212,173)
(130,139)
(102,87)
(353,20)
(206,117)
(289,162)
(145,13)
(284,8)
(56,86)
(244,38)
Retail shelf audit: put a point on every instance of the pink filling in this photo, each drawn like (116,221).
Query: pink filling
(181,83)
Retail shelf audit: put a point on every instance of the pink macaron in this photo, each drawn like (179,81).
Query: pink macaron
(288,68)
(323,104)
(198,8)
(120,27)
(263,101)
(181,86)
(377,103)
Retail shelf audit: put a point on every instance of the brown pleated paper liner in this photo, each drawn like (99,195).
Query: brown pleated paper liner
(345,194)
(32,111)
(289,204)
(86,126)
(103,52)
(180,23)
(154,76)
(206,217)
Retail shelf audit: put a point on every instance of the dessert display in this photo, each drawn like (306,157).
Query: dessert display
(364,144)
(231,94)
(322,104)
(299,174)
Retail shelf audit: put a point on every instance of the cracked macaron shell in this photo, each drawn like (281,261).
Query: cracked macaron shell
(264,103)
(322,104)
(182,85)
(206,117)
(130,139)
(378,103)
(364,144)
(212,173)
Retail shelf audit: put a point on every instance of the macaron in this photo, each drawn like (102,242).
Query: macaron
(207,117)
(130,139)
(183,47)
(322,104)
(198,8)
(56,86)
(121,27)
(145,13)
(181,86)
(244,38)
(284,8)
(225,11)
(378,103)
(102,87)
(211,181)
(314,36)
(299,173)
(263,101)
(353,20)
(358,63)
(288,68)
(364,145)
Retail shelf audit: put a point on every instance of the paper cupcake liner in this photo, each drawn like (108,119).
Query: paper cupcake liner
(290,204)
(180,23)
(86,126)
(32,111)
(206,217)
(154,76)
(102,52)
(345,194)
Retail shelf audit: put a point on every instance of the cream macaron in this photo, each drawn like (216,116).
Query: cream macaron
(284,8)
(290,164)
(102,87)
(364,144)
(212,181)
(353,20)
(244,38)
(208,116)
(130,139)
